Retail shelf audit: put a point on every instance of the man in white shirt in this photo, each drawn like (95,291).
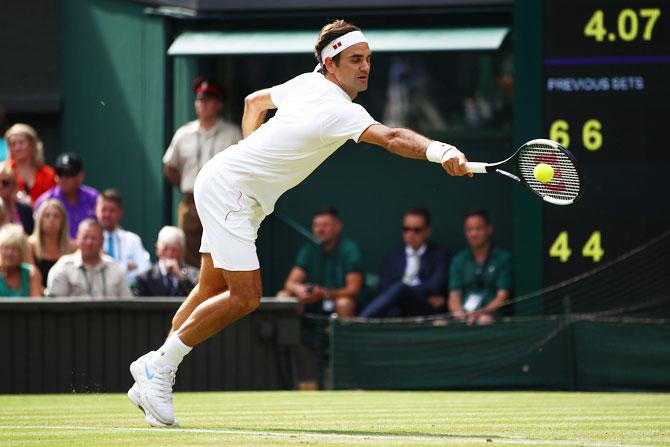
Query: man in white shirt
(239,187)
(193,145)
(125,247)
(87,272)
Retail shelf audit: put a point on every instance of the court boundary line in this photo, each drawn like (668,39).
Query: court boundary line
(450,439)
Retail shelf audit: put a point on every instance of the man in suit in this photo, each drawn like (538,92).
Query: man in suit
(414,277)
(169,276)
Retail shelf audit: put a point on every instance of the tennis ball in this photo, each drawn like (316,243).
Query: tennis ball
(543,172)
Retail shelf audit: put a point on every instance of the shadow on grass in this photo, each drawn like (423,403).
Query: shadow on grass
(372,434)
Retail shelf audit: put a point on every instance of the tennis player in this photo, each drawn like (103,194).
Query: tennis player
(236,189)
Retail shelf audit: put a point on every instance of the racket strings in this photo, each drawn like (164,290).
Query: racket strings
(566,182)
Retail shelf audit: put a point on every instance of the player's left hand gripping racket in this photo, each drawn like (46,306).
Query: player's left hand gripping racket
(564,188)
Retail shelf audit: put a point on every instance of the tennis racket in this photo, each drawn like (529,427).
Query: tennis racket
(564,188)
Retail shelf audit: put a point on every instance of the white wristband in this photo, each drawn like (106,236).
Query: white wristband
(436,151)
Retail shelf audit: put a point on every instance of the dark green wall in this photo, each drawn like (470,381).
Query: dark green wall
(557,353)
(113,71)
(85,346)
(528,124)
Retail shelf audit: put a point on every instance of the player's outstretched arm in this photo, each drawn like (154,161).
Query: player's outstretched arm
(256,106)
(407,143)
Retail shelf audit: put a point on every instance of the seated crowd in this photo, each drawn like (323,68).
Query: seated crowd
(62,238)
(418,278)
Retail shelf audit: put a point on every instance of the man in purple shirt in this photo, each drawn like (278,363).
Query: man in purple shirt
(79,200)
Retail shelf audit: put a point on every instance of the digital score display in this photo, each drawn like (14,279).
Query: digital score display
(607,99)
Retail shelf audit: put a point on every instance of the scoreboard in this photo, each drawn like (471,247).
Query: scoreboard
(606,98)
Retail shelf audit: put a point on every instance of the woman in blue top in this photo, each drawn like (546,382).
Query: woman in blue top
(17,277)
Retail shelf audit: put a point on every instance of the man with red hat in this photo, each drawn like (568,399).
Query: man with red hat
(192,146)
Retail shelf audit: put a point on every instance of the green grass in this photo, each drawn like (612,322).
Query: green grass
(343,418)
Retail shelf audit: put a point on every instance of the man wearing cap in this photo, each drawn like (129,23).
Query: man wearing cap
(79,199)
(192,146)
(240,186)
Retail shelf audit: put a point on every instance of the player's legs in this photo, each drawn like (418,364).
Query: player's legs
(221,296)
(210,283)
(155,374)
(212,315)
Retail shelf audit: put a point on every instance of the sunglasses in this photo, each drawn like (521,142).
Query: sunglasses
(413,229)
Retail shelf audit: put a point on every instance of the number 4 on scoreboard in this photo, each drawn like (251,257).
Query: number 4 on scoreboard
(592,248)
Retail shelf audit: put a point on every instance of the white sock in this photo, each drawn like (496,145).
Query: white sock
(171,353)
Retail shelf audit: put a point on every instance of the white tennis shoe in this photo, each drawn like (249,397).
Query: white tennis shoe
(155,388)
(136,399)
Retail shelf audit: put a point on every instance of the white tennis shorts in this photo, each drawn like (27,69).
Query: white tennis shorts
(230,221)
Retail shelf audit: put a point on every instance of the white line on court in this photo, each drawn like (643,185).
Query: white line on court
(445,439)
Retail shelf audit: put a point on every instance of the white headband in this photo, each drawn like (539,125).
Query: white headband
(342,43)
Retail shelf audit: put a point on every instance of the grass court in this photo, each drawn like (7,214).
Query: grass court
(344,418)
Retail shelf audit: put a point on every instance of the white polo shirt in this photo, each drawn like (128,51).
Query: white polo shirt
(314,118)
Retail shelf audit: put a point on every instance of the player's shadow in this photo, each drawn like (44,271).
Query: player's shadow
(381,434)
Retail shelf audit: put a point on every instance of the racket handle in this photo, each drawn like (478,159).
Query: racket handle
(476,167)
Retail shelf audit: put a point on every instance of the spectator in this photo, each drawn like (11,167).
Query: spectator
(86,273)
(192,146)
(3,127)
(125,247)
(169,276)
(79,200)
(480,278)
(18,278)
(26,158)
(17,212)
(414,277)
(4,218)
(51,238)
(326,278)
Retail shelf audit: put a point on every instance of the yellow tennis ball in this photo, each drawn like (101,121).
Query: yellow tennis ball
(543,173)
